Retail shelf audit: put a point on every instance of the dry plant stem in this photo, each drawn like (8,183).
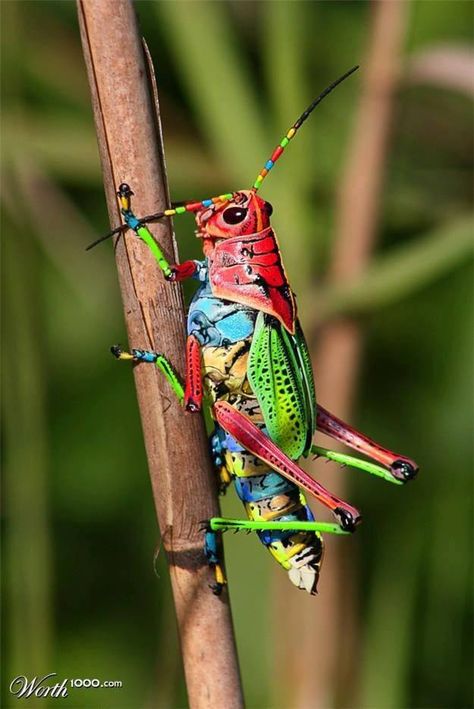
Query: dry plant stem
(328,633)
(184,490)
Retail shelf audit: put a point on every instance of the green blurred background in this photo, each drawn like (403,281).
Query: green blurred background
(81,597)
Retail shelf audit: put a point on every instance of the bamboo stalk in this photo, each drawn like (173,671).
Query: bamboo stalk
(184,490)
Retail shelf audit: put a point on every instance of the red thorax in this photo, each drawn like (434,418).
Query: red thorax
(244,257)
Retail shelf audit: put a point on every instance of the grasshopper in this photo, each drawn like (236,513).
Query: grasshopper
(246,351)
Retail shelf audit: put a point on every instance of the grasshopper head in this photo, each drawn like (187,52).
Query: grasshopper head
(245,213)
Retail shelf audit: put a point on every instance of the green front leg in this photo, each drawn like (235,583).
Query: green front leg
(124,194)
(154,358)
(146,236)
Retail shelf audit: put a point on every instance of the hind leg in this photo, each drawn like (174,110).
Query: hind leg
(402,468)
(222,524)
(358,463)
(216,526)
(252,439)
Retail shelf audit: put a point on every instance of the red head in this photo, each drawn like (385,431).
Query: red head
(245,213)
(233,214)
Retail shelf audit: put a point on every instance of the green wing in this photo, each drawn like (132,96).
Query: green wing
(281,377)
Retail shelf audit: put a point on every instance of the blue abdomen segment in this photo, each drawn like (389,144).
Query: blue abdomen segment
(265,493)
(269,537)
(259,487)
(218,322)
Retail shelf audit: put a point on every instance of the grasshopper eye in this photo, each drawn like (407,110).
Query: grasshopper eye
(234,215)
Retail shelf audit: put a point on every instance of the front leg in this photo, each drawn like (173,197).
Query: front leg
(402,468)
(175,272)
(182,271)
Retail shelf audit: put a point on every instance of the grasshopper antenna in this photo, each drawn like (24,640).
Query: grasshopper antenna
(296,125)
(124,193)
(119,230)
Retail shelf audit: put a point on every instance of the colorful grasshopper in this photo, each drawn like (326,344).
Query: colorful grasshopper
(246,350)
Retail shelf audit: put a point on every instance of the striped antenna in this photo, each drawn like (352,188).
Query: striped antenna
(284,142)
(124,193)
(188,207)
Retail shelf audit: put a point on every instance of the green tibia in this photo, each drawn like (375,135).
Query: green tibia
(220,524)
(144,234)
(161,362)
(171,376)
(344,459)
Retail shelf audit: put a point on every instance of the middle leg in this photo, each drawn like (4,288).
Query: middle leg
(191,395)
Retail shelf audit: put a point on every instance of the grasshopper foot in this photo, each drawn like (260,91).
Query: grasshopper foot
(346,519)
(220,582)
(404,470)
(119,353)
(116,351)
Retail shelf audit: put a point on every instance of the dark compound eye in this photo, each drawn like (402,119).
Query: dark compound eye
(268,208)
(234,215)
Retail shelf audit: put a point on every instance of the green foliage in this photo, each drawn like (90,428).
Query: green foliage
(81,595)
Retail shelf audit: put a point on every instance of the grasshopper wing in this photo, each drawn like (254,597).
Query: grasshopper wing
(281,377)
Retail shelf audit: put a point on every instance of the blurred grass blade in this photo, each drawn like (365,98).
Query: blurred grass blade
(405,270)
(285,77)
(450,67)
(63,232)
(28,542)
(219,84)
(290,92)
(48,141)
(385,673)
